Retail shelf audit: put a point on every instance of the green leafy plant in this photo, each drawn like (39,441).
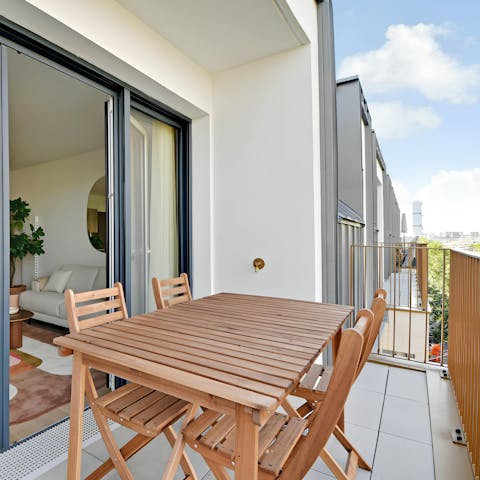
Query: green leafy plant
(22,243)
(97,241)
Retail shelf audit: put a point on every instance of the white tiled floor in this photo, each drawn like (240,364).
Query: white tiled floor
(387,418)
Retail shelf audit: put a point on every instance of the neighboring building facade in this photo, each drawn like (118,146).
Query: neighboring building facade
(368,210)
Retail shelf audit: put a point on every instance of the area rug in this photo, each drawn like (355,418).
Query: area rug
(38,392)
(21,362)
(41,378)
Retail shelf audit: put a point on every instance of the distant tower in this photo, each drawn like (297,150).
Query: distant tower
(417,218)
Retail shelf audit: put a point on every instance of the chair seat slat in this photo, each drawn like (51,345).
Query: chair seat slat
(275,456)
(311,377)
(219,431)
(168,416)
(141,404)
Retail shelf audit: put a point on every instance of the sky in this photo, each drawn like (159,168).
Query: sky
(419,66)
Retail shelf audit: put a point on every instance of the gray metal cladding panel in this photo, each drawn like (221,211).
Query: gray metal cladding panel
(349,145)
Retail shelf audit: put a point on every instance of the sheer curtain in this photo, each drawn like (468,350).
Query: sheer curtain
(154,209)
(163,205)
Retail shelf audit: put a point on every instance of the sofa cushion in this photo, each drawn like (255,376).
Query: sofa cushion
(57,281)
(82,277)
(48,303)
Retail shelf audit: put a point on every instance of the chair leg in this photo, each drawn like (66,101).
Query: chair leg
(341,421)
(290,409)
(305,409)
(178,453)
(128,450)
(105,432)
(340,436)
(218,470)
(185,463)
(333,466)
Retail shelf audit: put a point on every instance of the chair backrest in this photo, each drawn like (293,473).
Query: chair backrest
(379,306)
(365,313)
(171,291)
(326,414)
(93,308)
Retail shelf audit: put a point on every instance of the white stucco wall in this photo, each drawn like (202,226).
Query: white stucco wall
(58,193)
(265,177)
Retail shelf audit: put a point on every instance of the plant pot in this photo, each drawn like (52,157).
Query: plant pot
(15,296)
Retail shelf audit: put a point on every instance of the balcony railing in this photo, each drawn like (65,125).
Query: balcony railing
(464,336)
(433,315)
(416,278)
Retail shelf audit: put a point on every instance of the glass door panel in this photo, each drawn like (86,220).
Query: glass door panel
(154,207)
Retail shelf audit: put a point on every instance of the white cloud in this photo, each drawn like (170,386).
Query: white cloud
(450,201)
(393,120)
(412,58)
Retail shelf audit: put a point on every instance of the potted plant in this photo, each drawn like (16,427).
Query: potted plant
(21,243)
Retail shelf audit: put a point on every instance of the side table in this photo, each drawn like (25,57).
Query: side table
(16,323)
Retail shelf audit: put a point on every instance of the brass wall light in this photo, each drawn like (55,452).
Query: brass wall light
(258,264)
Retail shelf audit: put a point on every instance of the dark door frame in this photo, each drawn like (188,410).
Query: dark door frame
(124,97)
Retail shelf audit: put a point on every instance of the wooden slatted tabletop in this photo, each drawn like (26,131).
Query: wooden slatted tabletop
(258,346)
(222,351)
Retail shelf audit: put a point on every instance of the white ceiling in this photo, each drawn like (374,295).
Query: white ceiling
(221,34)
(52,115)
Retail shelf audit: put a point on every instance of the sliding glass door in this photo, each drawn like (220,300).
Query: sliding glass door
(154,206)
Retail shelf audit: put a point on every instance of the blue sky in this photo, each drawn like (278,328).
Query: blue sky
(422,84)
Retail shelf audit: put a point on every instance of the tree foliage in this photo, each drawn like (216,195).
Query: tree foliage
(438,288)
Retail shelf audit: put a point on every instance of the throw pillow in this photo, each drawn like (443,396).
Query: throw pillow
(42,281)
(57,281)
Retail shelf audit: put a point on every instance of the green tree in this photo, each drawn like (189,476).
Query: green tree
(438,288)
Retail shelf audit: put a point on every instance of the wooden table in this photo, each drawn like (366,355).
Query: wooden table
(237,354)
(16,324)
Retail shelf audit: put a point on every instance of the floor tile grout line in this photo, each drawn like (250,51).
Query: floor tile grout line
(406,398)
(430,424)
(379,425)
(406,438)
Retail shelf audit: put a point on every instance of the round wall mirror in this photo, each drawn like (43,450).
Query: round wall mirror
(97,215)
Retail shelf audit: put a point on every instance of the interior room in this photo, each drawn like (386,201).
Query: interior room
(57,140)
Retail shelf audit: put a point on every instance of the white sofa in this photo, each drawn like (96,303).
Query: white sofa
(50,306)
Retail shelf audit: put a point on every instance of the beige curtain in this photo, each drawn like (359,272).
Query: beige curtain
(153,207)
(163,211)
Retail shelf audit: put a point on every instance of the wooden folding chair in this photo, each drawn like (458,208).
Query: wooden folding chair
(287,447)
(144,410)
(314,384)
(171,291)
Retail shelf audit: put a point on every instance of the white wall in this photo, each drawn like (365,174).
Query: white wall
(265,177)
(58,193)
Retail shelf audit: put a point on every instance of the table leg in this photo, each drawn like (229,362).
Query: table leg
(335,346)
(246,448)
(16,334)
(76,417)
